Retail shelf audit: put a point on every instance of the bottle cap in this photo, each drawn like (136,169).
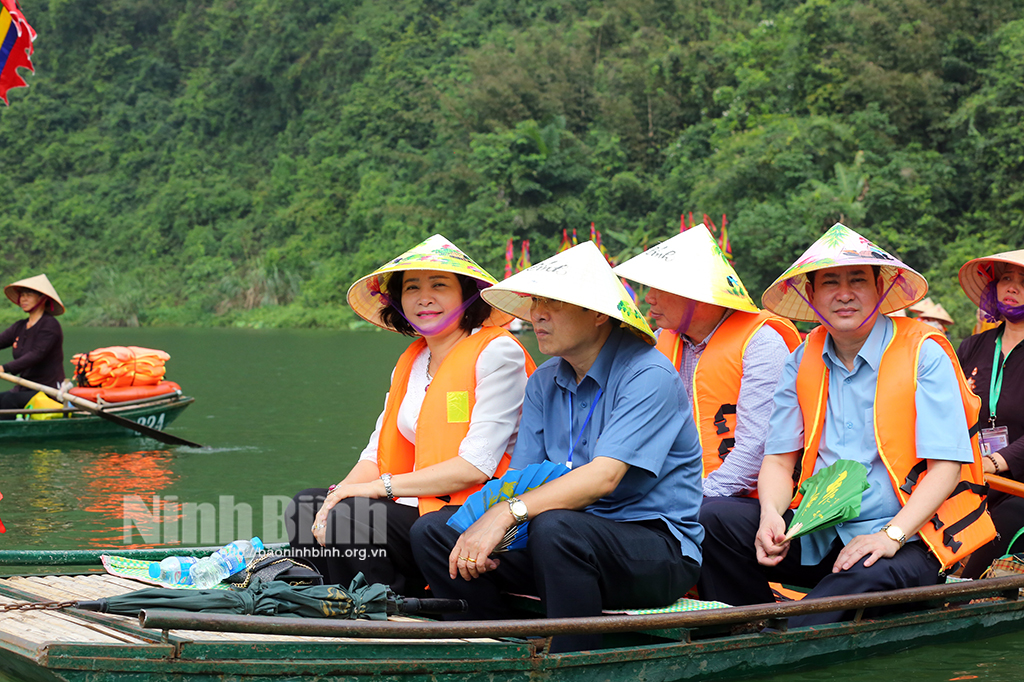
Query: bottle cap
(154,570)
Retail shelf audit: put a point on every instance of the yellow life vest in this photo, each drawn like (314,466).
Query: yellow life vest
(962,523)
(444,417)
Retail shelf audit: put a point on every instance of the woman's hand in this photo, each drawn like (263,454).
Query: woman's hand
(372,489)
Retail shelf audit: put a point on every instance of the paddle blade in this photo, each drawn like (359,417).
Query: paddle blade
(511,484)
(831,496)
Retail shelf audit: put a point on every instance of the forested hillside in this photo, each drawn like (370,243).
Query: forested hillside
(243,161)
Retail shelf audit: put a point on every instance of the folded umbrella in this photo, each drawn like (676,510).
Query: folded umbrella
(278,598)
(511,484)
(831,496)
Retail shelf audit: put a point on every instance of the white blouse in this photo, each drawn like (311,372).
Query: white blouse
(494,423)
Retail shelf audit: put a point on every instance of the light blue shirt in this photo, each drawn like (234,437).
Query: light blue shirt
(642,418)
(940,428)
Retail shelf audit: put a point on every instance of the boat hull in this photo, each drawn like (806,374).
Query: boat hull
(131,652)
(156,414)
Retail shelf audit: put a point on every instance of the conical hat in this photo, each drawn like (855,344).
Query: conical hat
(580,276)
(40,283)
(690,265)
(437,254)
(976,274)
(934,311)
(923,304)
(840,247)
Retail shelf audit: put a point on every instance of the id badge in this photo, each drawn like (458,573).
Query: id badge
(993,440)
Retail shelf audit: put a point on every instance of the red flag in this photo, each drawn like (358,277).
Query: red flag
(710,225)
(691,219)
(508,258)
(16,38)
(566,244)
(682,223)
(593,237)
(524,256)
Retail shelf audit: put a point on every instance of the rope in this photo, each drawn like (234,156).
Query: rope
(37,606)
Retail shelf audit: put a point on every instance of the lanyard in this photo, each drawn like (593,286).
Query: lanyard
(593,406)
(996,384)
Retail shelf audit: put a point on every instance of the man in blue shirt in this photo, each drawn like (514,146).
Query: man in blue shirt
(848,282)
(618,530)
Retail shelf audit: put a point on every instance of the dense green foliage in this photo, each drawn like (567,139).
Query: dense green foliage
(243,161)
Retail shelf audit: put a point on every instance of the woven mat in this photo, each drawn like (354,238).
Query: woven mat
(681,605)
(137,569)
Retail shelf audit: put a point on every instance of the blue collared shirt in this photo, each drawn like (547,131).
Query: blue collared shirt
(642,418)
(941,427)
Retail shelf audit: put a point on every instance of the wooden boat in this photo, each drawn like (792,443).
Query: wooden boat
(726,643)
(155,412)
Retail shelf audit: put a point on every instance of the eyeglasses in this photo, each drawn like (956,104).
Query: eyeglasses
(551,304)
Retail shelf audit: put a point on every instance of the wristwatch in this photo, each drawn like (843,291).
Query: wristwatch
(894,533)
(387,485)
(518,509)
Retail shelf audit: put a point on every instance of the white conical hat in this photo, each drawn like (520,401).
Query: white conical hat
(435,253)
(580,276)
(840,247)
(690,265)
(40,283)
(976,274)
(934,311)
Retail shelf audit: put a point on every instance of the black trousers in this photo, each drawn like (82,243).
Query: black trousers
(14,400)
(732,575)
(576,562)
(363,535)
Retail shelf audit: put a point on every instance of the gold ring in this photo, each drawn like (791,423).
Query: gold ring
(463,558)
(317,526)
(472,561)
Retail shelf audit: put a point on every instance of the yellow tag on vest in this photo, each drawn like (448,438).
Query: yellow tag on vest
(458,407)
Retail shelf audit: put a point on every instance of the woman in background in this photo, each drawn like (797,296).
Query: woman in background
(38,341)
(995,367)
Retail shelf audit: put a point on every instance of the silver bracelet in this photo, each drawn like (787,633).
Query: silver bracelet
(387,485)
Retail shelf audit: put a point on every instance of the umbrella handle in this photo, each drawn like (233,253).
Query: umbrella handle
(411,605)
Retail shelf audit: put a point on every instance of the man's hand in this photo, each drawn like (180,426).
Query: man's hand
(873,546)
(471,556)
(770,542)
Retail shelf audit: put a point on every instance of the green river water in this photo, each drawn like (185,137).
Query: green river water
(279,411)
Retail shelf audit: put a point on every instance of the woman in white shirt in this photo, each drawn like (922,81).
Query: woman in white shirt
(449,422)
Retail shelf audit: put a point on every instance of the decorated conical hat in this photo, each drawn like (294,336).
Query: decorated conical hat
(580,276)
(690,265)
(437,254)
(40,283)
(976,274)
(841,247)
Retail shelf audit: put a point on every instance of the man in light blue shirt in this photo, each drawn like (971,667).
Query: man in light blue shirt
(620,528)
(746,544)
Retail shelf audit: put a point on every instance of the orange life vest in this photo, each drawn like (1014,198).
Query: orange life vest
(444,418)
(118,366)
(961,524)
(716,380)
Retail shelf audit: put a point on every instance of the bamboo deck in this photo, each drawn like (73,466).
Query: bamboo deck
(35,630)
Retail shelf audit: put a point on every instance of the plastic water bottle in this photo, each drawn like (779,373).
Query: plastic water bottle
(228,560)
(174,570)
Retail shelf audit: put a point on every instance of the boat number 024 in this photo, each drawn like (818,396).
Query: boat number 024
(153,421)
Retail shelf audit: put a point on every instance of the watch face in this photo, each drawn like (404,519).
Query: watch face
(519,509)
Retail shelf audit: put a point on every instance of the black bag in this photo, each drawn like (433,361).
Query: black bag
(268,566)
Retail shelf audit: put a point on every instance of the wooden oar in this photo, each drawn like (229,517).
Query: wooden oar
(1005,485)
(95,409)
